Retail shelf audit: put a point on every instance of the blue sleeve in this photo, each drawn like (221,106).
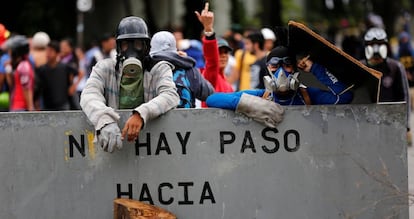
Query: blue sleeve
(5,57)
(337,93)
(229,100)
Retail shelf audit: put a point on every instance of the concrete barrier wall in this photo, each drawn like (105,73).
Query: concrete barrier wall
(321,162)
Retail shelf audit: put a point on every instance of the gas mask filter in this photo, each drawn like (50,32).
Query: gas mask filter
(131,88)
(376,49)
(131,67)
(281,81)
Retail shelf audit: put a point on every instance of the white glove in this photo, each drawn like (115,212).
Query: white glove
(264,111)
(109,137)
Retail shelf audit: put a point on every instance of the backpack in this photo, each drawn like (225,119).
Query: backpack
(183,85)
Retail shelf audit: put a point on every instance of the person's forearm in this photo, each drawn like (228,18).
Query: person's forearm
(229,100)
(28,97)
(211,56)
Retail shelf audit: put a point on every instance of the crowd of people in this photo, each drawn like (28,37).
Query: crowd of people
(40,73)
(253,73)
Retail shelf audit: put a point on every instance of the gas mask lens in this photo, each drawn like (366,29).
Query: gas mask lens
(134,44)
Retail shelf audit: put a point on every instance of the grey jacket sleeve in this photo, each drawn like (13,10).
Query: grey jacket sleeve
(161,94)
(93,100)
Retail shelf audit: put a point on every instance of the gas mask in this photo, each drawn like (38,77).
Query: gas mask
(376,49)
(281,81)
(131,89)
(132,52)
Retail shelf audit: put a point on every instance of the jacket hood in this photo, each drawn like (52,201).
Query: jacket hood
(178,61)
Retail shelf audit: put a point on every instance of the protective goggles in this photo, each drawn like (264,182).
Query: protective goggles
(278,61)
(136,44)
(375,34)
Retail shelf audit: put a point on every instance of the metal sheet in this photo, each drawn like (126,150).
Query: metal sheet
(345,161)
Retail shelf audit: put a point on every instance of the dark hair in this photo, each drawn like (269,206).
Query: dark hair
(53,44)
(257,37)
(105,37)
(70,41)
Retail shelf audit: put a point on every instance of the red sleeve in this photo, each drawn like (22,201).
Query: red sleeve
(211,55)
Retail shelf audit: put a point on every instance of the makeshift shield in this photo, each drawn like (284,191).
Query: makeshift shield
(365,81)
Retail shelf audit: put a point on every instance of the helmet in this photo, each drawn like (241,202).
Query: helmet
(40,39)
(19,47)
(132,28)
(376,34)
(18,44)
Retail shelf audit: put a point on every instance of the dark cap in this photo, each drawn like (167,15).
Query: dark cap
(280,53)
(223,43)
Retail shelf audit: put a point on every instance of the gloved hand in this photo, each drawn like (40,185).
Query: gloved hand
(109,137)
(264,111)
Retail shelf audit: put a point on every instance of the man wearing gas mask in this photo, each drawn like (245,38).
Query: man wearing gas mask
(130,82)
(394,83)
(283,88)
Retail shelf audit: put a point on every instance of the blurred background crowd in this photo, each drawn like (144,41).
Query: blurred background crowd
(69,37)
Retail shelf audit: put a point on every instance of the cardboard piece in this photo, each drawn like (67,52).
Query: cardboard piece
(365,81)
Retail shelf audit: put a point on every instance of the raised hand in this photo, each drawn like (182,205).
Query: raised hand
(206,18)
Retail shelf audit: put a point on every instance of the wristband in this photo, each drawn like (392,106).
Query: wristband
(209,33)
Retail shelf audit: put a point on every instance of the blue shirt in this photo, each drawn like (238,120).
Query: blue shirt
(3,59)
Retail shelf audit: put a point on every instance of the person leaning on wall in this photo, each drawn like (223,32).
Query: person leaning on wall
(129,82)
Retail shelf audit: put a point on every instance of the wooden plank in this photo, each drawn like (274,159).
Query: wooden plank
(133,209)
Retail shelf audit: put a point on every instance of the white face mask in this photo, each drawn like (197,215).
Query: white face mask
(376,49)
(281,81)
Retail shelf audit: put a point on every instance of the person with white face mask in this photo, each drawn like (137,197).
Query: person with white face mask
(129,82)
(394,83)
(283,88)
